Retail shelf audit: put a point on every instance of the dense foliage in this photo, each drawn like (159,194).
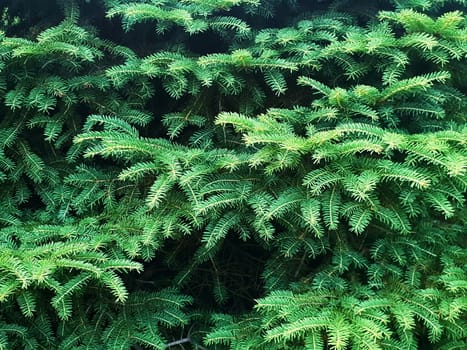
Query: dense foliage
(233,174)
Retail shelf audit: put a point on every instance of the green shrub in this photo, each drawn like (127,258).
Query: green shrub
(221,174)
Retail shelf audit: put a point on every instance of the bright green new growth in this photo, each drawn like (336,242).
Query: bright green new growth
(302,188)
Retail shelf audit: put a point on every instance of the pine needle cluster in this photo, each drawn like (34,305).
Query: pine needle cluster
(300,186)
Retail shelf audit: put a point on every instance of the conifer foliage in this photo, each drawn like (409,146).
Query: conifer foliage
(252,174)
